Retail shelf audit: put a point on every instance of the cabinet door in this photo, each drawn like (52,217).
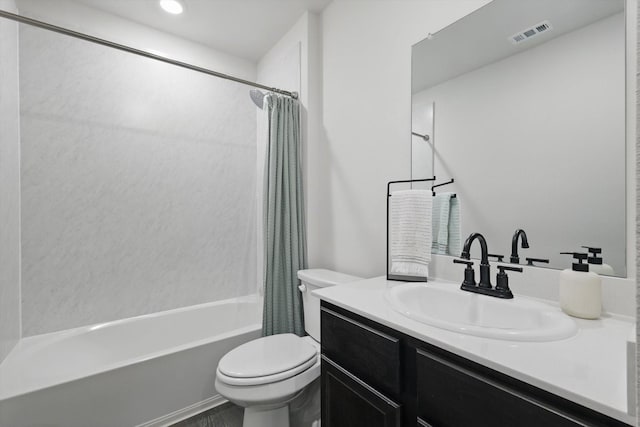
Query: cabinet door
(349,402)
(453,396)
(363,350)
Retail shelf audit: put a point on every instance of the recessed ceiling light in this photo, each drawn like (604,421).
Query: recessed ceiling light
(173,7)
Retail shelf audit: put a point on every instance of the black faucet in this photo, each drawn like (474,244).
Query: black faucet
(484,287)
(485,268)
(515,258)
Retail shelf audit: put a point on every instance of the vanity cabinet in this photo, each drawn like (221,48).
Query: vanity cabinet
(350,402)
(369,353)
(450,395)
(361,373)
(375,376)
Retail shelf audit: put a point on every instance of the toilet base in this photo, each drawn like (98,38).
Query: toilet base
(258,417)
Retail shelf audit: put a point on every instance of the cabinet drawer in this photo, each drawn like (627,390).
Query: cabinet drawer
(453,396)
(349,402)
(364,351)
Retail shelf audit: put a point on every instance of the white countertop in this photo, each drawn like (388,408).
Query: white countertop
(589,368)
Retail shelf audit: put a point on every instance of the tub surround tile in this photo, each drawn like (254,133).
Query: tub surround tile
(138,185)
(9,185)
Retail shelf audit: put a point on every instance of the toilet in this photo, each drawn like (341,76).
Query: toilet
(265,374)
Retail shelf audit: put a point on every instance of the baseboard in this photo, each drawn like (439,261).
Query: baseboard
(184,413)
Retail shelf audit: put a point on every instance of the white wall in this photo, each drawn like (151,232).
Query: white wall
(9,185)
(364,141)
(138,185)
(537,141)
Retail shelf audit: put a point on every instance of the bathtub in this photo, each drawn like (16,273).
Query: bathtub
(146,371)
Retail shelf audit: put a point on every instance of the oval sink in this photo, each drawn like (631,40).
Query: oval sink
(445,306)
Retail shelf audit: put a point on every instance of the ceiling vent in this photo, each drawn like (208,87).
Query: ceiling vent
(529,33)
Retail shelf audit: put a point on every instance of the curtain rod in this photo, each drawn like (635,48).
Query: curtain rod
(103,42)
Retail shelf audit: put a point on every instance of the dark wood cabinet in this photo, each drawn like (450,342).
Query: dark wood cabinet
(450,396)
(367,352)
(373,376)
(350,402)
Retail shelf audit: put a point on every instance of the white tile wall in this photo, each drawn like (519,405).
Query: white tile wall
(138,185)
(9,185)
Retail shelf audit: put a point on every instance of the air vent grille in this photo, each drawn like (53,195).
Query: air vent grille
(529,33)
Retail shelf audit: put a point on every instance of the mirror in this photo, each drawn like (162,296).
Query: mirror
(524,106)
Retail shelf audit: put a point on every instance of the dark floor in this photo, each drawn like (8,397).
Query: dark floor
(227,415)
(304,411)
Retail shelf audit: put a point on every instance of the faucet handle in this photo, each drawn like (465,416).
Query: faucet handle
(530,261)
(499,258)
(502,281)
(469,273)
(502,268)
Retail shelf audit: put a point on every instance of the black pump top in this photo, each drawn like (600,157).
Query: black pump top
(579,266)
(594,252)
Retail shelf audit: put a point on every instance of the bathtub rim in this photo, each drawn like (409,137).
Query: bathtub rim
(36,342)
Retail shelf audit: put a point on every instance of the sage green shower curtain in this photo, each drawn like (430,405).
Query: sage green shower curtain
(284,222)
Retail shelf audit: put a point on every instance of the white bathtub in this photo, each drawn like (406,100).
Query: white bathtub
(150,370)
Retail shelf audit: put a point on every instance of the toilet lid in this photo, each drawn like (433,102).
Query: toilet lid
(267,356)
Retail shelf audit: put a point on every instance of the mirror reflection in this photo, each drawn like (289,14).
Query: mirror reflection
(524,106)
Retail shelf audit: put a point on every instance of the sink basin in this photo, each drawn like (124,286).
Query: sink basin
(445,306)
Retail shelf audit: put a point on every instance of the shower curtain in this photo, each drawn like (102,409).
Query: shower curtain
(284,222)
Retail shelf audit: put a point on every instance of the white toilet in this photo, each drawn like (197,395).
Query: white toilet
(265,374)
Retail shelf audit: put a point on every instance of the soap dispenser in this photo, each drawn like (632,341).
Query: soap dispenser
(580,289)
(596,264)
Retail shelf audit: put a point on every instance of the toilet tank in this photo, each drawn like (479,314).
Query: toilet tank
(311,280)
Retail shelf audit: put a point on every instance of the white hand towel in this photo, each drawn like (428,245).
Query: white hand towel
(410,232)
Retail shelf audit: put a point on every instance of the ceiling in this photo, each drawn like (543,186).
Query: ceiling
(244,28)
(482,37)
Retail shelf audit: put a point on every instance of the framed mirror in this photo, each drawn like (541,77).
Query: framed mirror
(524,106)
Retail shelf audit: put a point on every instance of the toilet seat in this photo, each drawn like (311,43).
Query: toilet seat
(267,360)
(267,379)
